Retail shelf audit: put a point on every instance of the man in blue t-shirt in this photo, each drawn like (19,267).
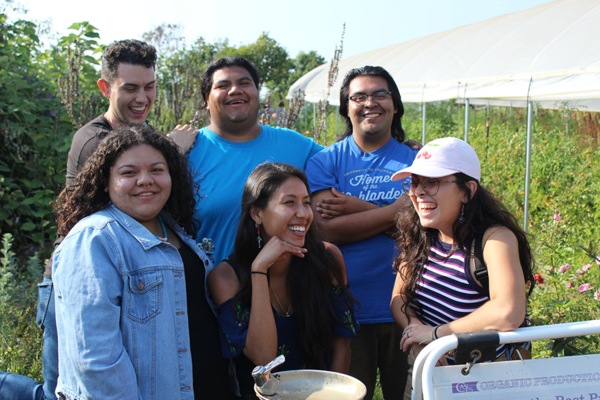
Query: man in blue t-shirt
(231,146)
(355,205)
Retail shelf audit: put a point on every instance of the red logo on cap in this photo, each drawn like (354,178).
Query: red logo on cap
(425,155)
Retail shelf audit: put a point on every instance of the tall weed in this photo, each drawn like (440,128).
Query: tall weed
(20,338)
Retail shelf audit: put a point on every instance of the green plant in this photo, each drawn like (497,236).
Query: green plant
(20,338)
(29,127)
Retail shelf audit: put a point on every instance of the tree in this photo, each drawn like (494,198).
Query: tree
(303,63)
(271,60)
(32,142)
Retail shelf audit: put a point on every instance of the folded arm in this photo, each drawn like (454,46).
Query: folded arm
(357,226)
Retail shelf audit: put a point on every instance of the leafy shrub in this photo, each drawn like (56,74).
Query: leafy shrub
(32,139)
(20,338)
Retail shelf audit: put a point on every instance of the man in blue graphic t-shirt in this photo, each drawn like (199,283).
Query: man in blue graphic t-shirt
(355,204)
(231,146)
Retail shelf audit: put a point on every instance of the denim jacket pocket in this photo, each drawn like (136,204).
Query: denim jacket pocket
(144,296)
(44,294)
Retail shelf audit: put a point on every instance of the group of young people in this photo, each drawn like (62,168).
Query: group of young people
(187,260)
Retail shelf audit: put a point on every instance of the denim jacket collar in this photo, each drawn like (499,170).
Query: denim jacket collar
(139,231)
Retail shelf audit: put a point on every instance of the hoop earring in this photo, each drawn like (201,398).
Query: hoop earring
(258,238)
(461,219)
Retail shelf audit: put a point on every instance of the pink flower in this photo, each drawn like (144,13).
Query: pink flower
(563,268)
(584,287)
(586,267)
(539,279)
(569,285)
(597,295)
(556,217)
(580,272)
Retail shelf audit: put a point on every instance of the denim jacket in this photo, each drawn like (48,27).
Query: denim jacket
(121,311)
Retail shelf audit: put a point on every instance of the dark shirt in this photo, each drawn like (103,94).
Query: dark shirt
(84,143)
(211,381)
(234,322)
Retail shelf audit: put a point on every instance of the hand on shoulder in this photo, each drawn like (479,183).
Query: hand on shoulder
(184,137)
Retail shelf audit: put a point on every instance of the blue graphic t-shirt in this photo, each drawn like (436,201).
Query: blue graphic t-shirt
(347,168)
(221,168)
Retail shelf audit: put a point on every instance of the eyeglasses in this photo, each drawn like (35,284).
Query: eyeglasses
(377,96)
(430,185)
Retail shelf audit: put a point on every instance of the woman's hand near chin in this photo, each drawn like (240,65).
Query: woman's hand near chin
(261,340)
(275,250)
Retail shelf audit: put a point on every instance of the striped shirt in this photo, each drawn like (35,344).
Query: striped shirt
(447,290)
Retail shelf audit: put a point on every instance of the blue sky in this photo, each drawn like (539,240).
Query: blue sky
(300,25)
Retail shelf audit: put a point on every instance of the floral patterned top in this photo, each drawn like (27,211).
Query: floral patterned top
(234,329)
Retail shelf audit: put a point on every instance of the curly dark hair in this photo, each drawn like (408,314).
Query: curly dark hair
(369,70)
(309,279)
(231,61)
(88,194)
(482,211)
(130,51)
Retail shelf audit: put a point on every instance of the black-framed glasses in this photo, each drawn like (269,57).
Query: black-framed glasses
(377,96)
(430,185)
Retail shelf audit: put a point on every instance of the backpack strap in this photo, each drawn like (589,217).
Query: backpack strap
(481,272)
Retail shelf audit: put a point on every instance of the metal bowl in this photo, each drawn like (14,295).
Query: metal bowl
(311,384)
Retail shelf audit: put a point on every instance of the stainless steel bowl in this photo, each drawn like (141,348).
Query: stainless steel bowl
(311,384)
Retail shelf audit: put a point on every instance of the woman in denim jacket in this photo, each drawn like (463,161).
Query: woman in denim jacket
(132,309)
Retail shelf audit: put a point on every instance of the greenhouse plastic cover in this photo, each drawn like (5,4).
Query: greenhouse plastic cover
(548,54)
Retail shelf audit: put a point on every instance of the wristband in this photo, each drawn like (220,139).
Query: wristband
(258,272)
(434,332)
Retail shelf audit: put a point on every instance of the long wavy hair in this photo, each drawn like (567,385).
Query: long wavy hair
(89,194)
(482,211)
(309,278)
(369,70)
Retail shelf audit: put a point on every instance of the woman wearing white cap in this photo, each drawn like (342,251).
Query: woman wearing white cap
(453,225)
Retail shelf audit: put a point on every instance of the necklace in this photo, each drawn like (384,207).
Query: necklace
(287,313)
(162,224)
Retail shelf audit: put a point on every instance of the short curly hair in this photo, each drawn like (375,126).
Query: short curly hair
(231,61)
(129,51)
(89,194)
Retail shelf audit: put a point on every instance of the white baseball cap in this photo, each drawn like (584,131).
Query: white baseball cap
(442,157)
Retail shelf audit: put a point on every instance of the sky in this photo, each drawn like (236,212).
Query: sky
(299,25)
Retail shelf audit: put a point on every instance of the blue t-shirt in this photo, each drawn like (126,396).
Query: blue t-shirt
(347,168)
(221,168)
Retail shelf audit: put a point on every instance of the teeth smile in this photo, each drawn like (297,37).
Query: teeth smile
(138,108)
(297,228)
(145,194)
(427,206)
(372,115)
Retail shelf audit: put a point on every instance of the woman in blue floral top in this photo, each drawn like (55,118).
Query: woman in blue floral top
(283,290)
